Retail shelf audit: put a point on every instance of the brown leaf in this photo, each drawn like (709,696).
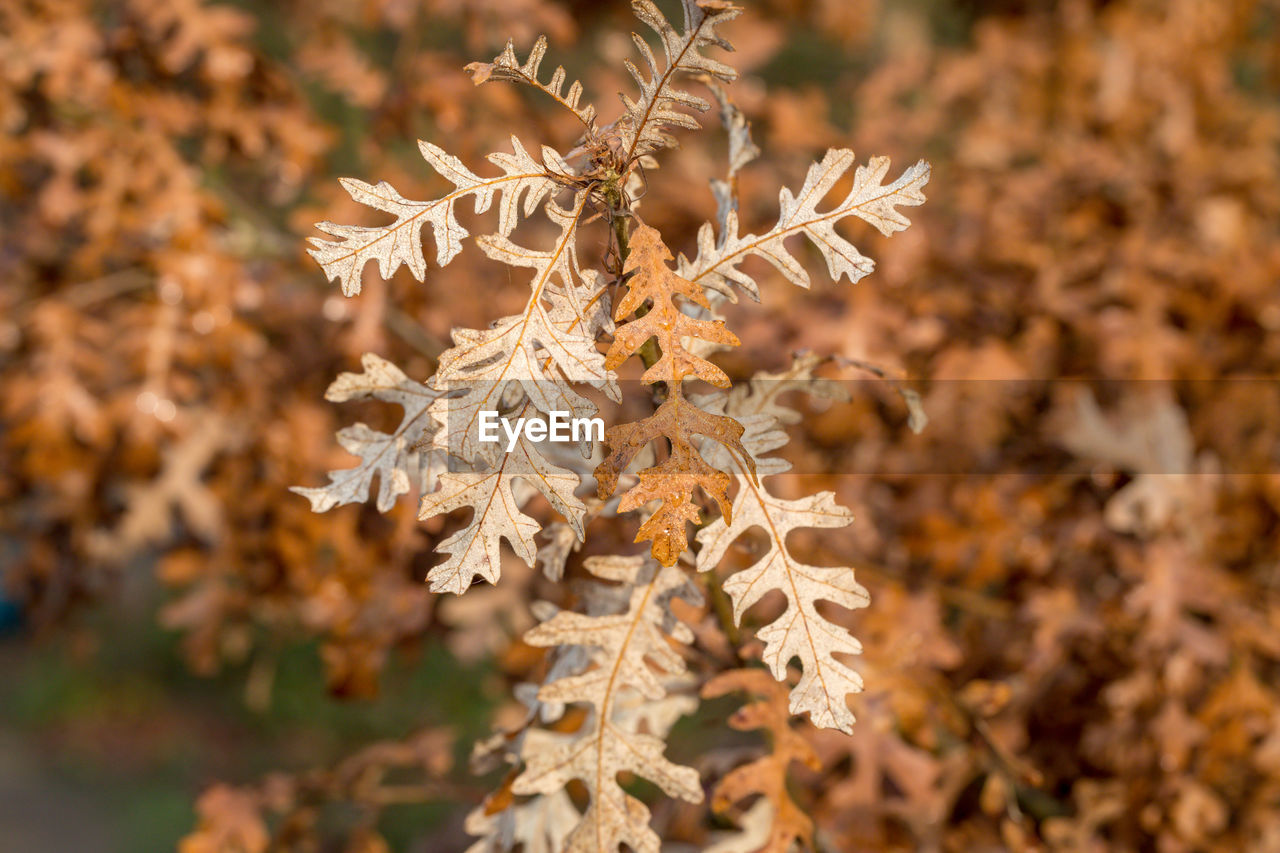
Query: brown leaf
(766,775)
(673,480)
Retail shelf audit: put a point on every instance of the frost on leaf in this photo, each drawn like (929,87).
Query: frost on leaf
(400,242)
(801,631)
(785,823)
(643,126)
(716,264)
(395,458)
(631,664)
(672,480)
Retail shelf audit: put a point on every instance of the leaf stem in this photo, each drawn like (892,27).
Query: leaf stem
(649,352)
(724,611)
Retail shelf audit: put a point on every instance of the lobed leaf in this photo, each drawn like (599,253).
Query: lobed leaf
(673,480)
(400,243)
(395,458)
(506,66)
(800,631)
(631,659)
(716,264)
(767,775)
(538,353)
(643,125)
(490,493)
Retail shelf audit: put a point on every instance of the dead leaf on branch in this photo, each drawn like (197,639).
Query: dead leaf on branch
(766,775)
(543,350)
(672,480)
(801,631)
(490,493)
(643,126)
(523,363)
(716,264)
(630,653)
(506,66)
(400,242)
(396,458)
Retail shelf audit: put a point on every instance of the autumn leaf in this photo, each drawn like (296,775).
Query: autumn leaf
(631,655)
(506,66)
(492,496)
(766,775)
(400,242)
(800,631)
(396,458)
(716,263)
(643,125)
(542,351)
(673,480)
(147,519)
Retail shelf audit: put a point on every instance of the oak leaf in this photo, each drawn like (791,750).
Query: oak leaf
(628,651)
(179,486)
(766,775)
(801,631)
(492,495)
(539,352)
(673,480)
(400,242)
(395,458)
(506,66)
(643,126)
(716,264)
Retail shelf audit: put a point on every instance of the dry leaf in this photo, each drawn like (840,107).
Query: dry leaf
(716,264)
(541,351)
(400,242)
(673,479)
(642,127)
(396,458)
(627,652)
(147,518)
(800,631)
(490,493)
(767,775)
(506,66)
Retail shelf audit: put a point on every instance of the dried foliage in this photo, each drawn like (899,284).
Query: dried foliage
(766,776)
(651,293)
(525,366)
(629,665)
(1071,636)
(800,632)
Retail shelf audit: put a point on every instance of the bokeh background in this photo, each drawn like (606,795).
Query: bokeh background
(1074,636)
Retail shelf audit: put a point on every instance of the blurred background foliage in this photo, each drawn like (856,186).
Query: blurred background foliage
(1059,655)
